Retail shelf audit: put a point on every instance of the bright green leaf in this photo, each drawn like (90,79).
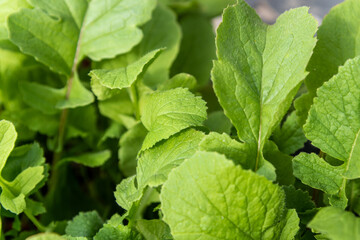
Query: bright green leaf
(126,193)
(182,80)
(126,76)
(153,229)
(260,68)
(165,113)
(154,165)
(222,201)
(77,29)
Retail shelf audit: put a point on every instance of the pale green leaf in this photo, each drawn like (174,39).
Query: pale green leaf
(8,7)
(165,113)
(197,48)
(154,165)
(34,208)
(260,68)
(95,159)
(182,80)
(85,224)
(13,193)
(126,76)
(126,193)
(224,144)
(221,201)
(153,229)
(315,172)
(7,141)
(336,224)
(46,236)
(289,137)
(77,28)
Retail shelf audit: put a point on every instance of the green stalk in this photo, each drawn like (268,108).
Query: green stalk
(33,219)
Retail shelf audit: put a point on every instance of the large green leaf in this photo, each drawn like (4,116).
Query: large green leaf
(260,68)
(221,201)
(333,125)
(77,29)
(165,113)
(336,224)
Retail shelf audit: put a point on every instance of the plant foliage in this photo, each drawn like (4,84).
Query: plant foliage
(133,119)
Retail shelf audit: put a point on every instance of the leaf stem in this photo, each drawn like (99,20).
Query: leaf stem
(135,100)
(37,224)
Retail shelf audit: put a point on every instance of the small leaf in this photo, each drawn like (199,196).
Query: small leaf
(153,229)
(155,164)
(85,224)
(289,137)
(182,80)
(315,172)
(126,76)
(126,193)
(218,122)
(95,159)
(224,144)
(336,224)
(165,113)
(7,141)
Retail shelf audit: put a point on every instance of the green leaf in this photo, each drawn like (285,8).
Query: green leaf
(165,113)
(77,29)
(197,48)
(8,7)
(126,76)
(7,141)
(162,31)
(333,125)
(260,68)
(315,172)
(126,193)
(224,144)
(51,100)
(182,80)
(289,137)
(95,159)
(130,145)
(282,163)
(338,42)
(155,164)
(110,232)
(219,200)
(336,224)
(46,236)
(153,229)
(218,122)
(85,224)
(298,199)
